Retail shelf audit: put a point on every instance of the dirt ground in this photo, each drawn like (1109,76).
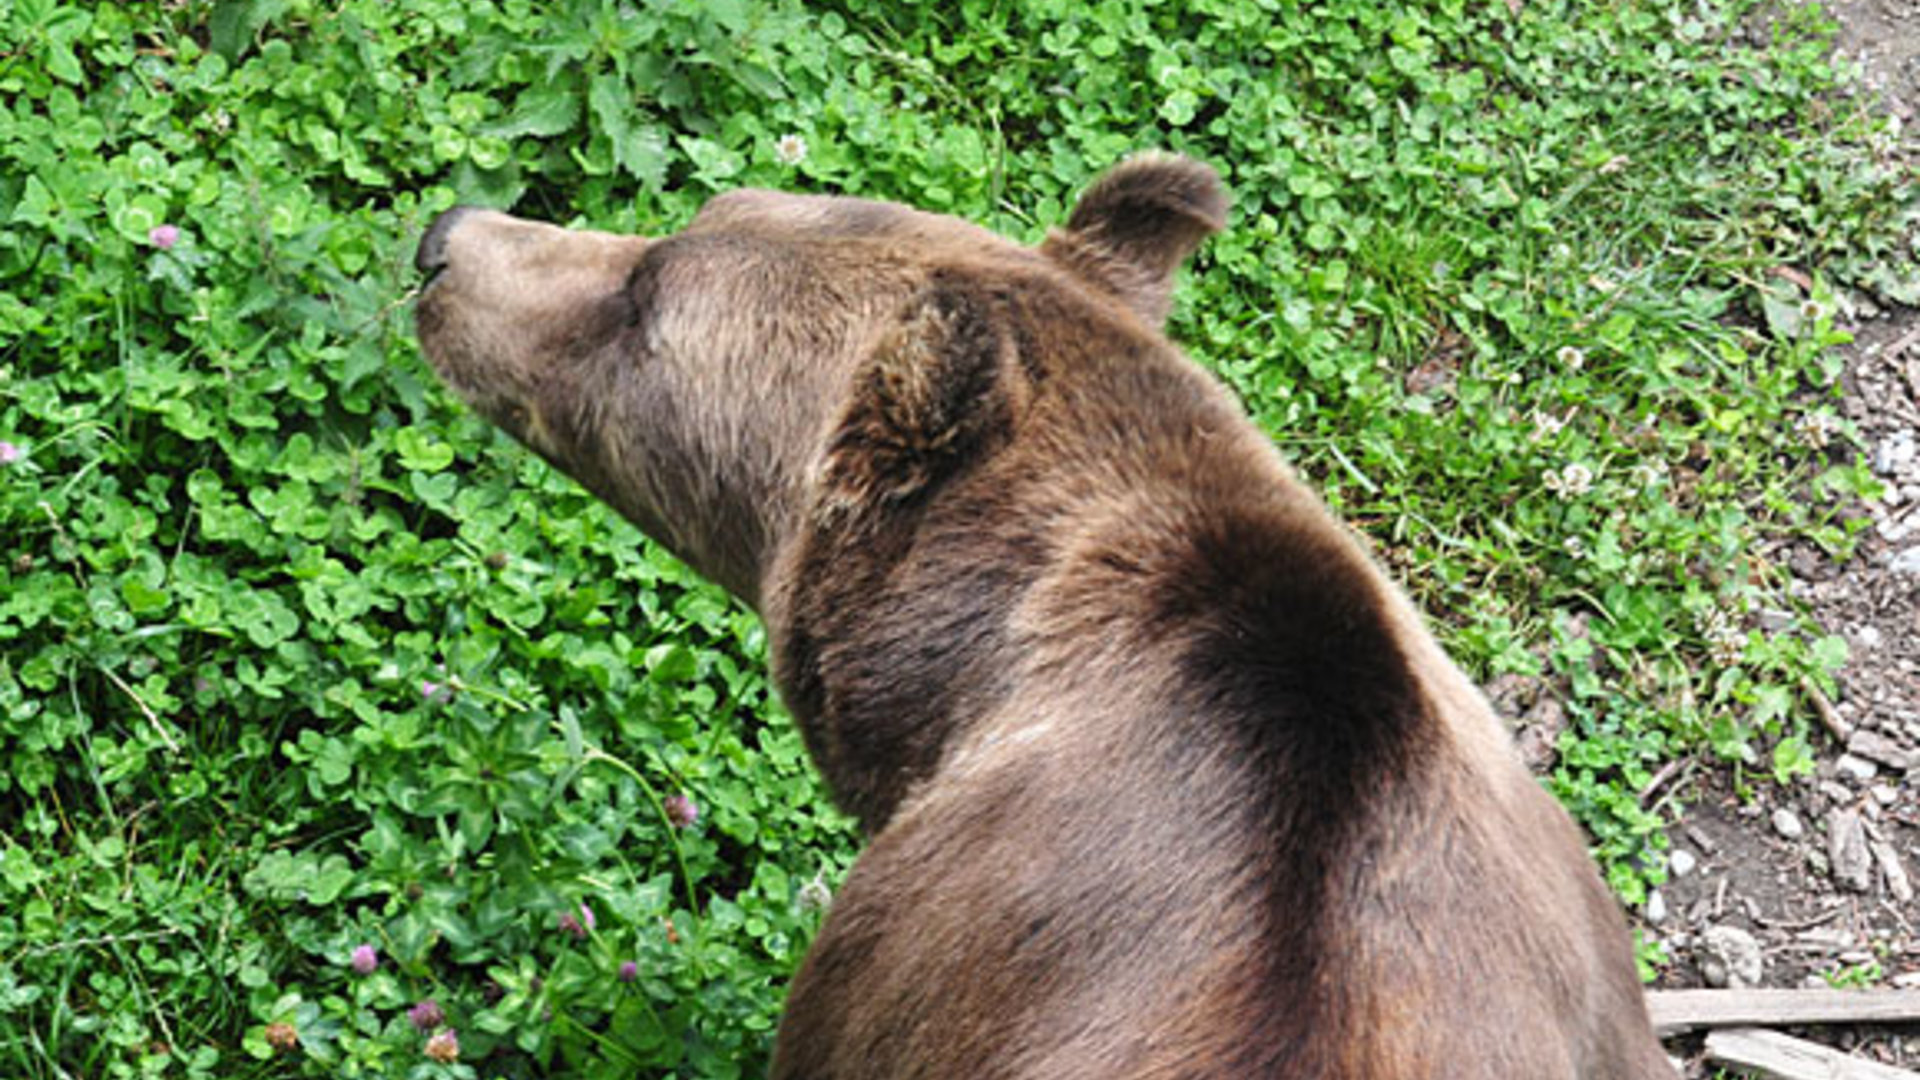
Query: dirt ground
(1814,884)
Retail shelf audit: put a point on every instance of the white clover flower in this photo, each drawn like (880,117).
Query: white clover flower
(1726,641)
(1614,164)
(1569,482)
(1545,425)
(1575,547)
(1815,429)
(790,150)
(1648,474)
(1727,649)
(1708,620)
(814,895)
(1571,358)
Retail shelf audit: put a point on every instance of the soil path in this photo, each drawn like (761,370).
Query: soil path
(1816,882)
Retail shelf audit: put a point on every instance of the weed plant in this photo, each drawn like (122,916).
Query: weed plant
(341,737)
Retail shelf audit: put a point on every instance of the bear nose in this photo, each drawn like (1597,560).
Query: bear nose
(432,253)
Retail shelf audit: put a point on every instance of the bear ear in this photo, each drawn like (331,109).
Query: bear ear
(934,392)
(1137,224)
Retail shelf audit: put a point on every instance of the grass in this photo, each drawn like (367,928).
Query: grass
(297,657)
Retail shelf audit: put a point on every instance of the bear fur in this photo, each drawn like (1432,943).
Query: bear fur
(1162,776)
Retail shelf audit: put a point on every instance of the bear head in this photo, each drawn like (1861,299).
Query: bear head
(784,355)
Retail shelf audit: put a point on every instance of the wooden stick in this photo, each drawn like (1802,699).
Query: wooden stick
(1786,1058)
(1660,778)
(1677,1011)
(1829,716)
(1809,923)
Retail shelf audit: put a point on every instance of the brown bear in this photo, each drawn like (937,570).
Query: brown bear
(1163,777)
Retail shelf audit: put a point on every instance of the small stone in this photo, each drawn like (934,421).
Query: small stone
(1787,824)
(1656,909)
(1872,745)
(1868,636)
(1774,621)
(1884,794)
(1847,851)
(1907,562)
(1894,454)
(1512,695)
(1539,736)
(1856,767)
(1730,957)
(1817,861)
(1537,749)
(1681,862)
(1895,872)
(1907,980)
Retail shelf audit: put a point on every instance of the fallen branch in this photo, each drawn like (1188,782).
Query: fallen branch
(1829,716)
(1660,778)
(1678,1011)
(1786,1058)
(1794,925)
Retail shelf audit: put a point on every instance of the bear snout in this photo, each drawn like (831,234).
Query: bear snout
(519,267)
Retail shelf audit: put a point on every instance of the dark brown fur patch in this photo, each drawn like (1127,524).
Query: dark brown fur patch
(1292,657)
(935,398)
(929,398)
